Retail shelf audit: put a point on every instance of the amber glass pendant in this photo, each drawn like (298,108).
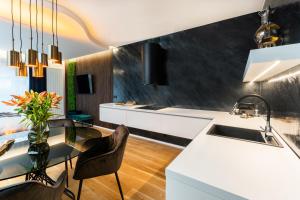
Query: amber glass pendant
(38,72)
(22,70)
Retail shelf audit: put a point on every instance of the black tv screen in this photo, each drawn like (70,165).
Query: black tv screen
(84,84)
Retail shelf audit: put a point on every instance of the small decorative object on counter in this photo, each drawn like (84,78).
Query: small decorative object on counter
(6,146)
(36,109)
(128,103)
(267,35)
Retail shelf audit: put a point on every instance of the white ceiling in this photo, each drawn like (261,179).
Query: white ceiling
(119,22)
(93,25)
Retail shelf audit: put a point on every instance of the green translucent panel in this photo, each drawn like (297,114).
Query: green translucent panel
(71,94)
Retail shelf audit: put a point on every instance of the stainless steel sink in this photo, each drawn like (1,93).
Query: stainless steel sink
(250,135)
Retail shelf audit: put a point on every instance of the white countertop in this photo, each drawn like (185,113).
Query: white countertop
(225,166)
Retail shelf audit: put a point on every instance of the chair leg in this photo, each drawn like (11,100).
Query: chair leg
(79,189)
(67,176)
(70,159)
(119,185)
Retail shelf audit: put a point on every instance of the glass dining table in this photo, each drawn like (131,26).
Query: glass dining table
(65,143)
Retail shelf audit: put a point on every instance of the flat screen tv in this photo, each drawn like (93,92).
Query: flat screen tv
(84,84)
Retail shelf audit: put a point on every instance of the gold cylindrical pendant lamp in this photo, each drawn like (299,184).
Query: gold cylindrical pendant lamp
(32,58)
(53,53)
(38,72)
(22,70)
(13,58)
(59,61)
(44,59)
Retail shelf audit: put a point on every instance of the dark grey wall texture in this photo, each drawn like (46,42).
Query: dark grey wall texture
(205,66)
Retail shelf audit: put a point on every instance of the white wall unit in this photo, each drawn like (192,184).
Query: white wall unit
(266,63)
(175,125)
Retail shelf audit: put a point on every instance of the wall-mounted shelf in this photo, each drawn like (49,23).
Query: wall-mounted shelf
(265,63)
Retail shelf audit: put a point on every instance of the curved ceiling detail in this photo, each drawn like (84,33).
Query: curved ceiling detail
(81,22)
(69,24)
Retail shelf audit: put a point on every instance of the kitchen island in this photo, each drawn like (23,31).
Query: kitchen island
(213,167)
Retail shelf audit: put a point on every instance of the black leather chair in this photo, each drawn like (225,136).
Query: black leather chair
(63,123)
(103,157)
(33,190)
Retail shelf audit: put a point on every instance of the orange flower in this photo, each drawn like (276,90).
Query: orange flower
(17,97)
(9,103)
(27,94)
(28,100)
(43,94)
(23,101)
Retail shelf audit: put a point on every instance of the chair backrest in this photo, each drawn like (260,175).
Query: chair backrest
(33,190)
(120,139)
(105,157)
(60,123)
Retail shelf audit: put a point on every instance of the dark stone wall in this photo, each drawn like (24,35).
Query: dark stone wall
(205,65)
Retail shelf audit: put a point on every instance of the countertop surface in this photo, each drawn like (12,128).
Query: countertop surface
(225,166)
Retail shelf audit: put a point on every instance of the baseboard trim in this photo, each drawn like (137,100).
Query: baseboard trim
(164,138)
(158,141)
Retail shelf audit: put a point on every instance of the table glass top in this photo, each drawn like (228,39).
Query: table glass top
(64,143)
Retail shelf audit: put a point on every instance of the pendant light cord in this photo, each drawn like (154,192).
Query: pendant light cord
(42,26)
(21,42)
(56,23)
(36,24)
(30,24)
(52,23)
(13,24)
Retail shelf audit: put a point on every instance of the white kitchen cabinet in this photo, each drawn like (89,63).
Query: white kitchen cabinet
(111,115)
(180,126)
(177,190)
(170,124)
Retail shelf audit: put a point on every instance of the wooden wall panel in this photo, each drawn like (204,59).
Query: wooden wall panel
(100,66)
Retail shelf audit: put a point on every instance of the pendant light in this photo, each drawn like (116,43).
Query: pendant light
(22,69)
(59,58)
(13,57)
(32,55)
(43,55)
(52,49)
(38,71)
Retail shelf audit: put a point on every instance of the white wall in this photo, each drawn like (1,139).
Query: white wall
(10,84)
(56,83)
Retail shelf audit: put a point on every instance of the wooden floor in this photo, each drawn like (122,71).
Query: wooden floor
(141,174)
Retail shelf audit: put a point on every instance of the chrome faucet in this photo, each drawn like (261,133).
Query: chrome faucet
(268,129)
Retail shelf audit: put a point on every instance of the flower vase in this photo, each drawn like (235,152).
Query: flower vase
(39,155)
(37,137)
